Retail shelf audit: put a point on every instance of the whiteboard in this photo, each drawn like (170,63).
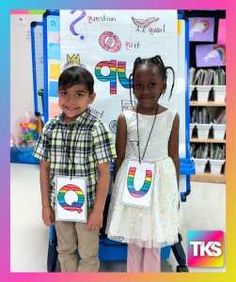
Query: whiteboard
(106,42)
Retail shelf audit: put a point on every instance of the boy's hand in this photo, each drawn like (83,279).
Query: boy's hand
(48,215)
(95,220)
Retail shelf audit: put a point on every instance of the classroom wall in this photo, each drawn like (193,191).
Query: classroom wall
(21,68)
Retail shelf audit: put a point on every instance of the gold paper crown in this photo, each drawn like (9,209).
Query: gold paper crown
(72,60)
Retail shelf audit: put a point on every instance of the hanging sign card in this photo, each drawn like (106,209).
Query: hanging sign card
(71,199)
(139,184)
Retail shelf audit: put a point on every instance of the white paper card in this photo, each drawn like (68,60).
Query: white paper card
(139,184)
(71,199)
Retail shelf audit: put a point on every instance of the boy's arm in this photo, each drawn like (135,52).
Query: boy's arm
(96,216)
(47,213)
(173,147)
(121,136)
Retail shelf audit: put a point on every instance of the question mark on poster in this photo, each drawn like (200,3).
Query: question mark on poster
(72,26)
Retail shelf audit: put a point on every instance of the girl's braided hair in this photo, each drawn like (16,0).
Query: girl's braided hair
(156,60)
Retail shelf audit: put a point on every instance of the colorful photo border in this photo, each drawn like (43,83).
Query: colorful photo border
(5,8)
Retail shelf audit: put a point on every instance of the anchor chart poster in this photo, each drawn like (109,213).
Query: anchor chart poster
(107,42)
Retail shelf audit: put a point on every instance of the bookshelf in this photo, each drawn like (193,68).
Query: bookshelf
(207,80)
(207,133)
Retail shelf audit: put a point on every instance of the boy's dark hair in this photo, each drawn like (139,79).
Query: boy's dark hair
(76,75)
(157,61)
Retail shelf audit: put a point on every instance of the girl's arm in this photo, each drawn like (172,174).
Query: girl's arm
(96,216)
(121,136)
(173,146)
(47,213)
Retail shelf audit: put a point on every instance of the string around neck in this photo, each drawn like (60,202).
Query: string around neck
(67,148)
(149,135)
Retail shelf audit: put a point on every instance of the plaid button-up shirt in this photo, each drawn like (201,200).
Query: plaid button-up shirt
(75,149)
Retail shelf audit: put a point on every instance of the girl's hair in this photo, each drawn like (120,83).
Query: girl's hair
(157,61)
(76,75)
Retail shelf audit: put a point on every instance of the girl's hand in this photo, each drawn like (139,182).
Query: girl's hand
(48,215)
(95,220)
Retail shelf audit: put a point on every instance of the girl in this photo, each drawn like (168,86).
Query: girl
(147,146)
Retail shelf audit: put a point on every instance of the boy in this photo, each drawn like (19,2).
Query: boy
(76,144)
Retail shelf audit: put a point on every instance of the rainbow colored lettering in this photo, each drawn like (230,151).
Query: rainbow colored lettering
(75,206)
(124,81)
(146,185)
(116,69)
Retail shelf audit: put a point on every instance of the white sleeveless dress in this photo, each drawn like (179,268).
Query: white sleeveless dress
(157,225)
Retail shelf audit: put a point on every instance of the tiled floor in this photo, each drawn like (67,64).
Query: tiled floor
(204,210)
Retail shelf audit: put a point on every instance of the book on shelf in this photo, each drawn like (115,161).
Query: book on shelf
(207,76)
(192,71)
(204,151)
(219,77)
(199,151)
(217,152)
(220,117)
(203,116)
(200,116)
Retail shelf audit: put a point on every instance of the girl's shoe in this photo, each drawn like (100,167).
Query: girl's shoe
(182,268)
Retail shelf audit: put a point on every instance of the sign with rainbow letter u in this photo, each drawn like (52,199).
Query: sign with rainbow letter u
(138,185)
(71,199)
